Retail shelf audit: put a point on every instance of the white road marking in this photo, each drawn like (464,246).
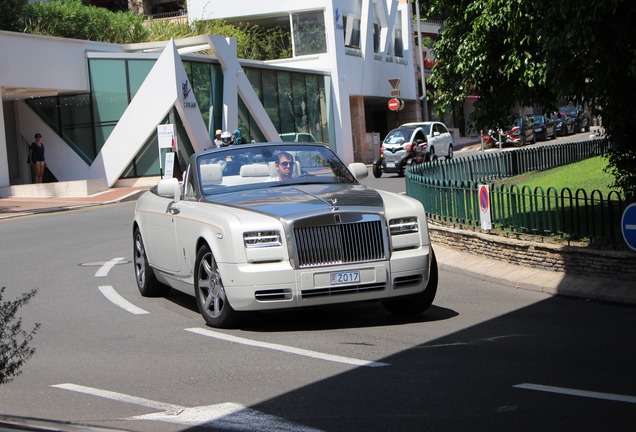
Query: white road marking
(575,392)
(112,295)
(285,348)
(120,397)
(103,270)
(226,416)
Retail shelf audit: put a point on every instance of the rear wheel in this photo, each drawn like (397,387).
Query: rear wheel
(210,293)
(147,283)
(450,152)
(416,304)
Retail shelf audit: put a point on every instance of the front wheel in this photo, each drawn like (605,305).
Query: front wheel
(431,156)
(210,293)
(147,283)
(418,303)
(377,171)
(450,152)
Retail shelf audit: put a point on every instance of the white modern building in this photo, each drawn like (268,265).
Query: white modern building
(98,105)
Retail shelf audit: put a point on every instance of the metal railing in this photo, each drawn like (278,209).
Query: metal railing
(449,190)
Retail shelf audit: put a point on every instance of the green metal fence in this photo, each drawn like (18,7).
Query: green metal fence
(449,190)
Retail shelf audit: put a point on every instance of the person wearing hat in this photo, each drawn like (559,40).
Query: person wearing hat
(237,138)
(217,139)
(226,139)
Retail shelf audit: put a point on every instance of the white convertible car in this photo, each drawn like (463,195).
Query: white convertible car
(272,226)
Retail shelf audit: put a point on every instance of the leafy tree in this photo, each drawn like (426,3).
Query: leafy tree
(253,42)
(72,19)
(11,13)
(510,52)
(14,342)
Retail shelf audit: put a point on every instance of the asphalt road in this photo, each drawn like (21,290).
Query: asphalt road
(484,357)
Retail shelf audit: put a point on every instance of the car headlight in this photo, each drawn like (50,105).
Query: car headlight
(261,239)
(404,225)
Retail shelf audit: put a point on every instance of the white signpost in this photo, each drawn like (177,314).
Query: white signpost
(484,207)
(165,140)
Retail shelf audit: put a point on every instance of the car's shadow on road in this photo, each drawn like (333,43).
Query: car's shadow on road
(352,315)
(337,317)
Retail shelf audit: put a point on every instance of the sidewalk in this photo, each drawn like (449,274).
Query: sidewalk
(11,207)
(513,276)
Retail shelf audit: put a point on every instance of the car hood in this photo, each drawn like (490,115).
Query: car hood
(303,199)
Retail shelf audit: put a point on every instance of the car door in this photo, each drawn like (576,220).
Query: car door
(433,139)
(160,236)
(445,137)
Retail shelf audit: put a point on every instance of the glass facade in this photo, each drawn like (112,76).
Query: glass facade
(309,33)
(295,102)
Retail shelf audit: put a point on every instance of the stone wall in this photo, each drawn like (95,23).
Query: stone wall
(579,259)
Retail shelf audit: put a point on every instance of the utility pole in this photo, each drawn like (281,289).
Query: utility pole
(421,60)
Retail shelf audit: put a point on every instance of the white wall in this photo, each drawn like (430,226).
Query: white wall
(44,62)
(351,75)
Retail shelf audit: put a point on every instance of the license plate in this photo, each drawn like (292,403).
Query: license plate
(338,278)
(390,164)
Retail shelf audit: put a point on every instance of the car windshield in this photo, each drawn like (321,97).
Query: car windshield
(569,110)
(539,119)
(228,169)
(399,136)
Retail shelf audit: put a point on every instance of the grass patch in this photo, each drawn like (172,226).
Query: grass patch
(588,174)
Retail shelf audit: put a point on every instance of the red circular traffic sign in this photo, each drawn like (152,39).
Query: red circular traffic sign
(484,199)
(394,104)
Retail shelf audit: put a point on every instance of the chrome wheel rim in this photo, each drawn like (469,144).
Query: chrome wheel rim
(211,292)
(140,261)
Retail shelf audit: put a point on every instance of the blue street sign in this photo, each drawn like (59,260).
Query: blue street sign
(628,226)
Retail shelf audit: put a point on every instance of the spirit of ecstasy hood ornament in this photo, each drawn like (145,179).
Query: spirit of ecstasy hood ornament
(334,207)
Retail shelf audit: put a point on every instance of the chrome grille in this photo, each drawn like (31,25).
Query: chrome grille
(340,243)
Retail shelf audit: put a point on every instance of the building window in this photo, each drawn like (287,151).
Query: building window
(308,29)
(377,32)
(398,46)
(352,32)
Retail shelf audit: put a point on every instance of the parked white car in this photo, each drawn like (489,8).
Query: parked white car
(439,139)
(271,226)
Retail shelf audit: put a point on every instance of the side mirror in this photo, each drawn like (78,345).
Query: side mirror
(359,170)
(169,188)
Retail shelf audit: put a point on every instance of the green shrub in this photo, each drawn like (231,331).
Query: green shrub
(72,19)
(14,342)
(11,14)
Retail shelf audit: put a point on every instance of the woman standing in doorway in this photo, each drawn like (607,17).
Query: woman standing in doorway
(36,158)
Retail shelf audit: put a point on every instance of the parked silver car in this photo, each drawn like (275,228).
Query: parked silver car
(439,141)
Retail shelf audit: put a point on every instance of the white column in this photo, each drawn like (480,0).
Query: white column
(4,160)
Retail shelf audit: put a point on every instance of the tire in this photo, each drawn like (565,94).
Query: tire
(450,152)
(210,293)
(520,142)
(418,303)
(377,171)
(147,283)
(431,156)
(554,135)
